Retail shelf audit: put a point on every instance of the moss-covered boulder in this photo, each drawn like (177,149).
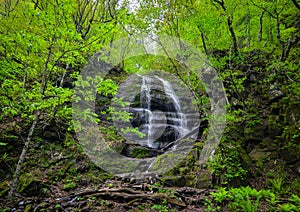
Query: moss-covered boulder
(32,186)
(176,181)
(254,130)
(203,179)
(138,151)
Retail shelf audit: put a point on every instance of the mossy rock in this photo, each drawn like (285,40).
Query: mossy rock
(268,144)
(275,127)
(137,151)
(183,170)
(164,159)
(140,153)
(245,159)
(203,180)
(31,186)
(259,155)
(290,155)
(176,181)
(254,130)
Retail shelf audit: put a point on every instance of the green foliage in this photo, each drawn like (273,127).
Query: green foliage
(293,205)
(243,198)
(220,196)
(70,184)
(115,114)
(288,207)
(107,87)
(277,184)
(40,43)
(226,165)
(163,207)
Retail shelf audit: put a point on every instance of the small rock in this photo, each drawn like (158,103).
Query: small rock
(258,155)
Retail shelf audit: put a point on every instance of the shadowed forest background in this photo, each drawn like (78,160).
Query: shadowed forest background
(253,46)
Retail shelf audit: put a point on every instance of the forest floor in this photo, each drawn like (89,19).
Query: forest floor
(116,195)
(59,177)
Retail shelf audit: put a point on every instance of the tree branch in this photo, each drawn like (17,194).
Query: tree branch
(296,4)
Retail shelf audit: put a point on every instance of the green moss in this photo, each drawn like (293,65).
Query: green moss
(24,181)
(183,170)
(173,180)
(140,153)
(70,184)
(28,208)
(4,188)
(164,159)
(32,186)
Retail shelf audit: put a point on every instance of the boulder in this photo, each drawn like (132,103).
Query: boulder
(203,179)
(290,155)
(137,151)
(31,186)
(258,154)
(175,181)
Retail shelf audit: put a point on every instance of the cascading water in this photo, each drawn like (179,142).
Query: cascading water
(178,116)
(160,114)
(145,102)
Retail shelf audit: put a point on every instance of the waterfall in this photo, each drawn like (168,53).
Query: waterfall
(182,118)
(145,102)
(161,117)
(170,92)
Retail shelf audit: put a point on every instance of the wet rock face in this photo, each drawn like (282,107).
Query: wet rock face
(161,110)
(167,118)
(159,101)
(160,121)
(157,112)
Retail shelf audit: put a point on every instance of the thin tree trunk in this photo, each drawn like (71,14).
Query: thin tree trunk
(282,56)
(22,158)
(248,26)
(18,170)
(54,110)
(203,41)
(233,36)
(230,26)
(296,4)
(259,37)
(248,30)
(288,48)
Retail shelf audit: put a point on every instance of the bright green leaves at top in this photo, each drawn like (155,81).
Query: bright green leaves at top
(40,43)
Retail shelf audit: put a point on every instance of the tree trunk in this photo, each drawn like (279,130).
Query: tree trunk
(290,44)
(29,136)
(259,37)
(233,36)
(230,26)
(270,30)
(248,29)
(296,4)
(203,41)
(22,157)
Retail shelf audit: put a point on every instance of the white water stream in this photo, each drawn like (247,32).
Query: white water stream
(166,123)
